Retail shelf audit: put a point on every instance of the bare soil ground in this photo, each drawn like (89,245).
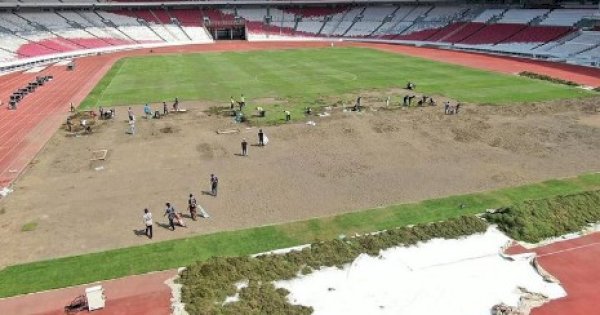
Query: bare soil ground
(347,162)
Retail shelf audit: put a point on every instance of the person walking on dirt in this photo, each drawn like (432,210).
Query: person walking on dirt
(130,113)
(446,107)
(242,102)
(69,124)
(192,205)
(147,218)
(214,183)
(147,111)
(170,213)
(132,125)
(176,105)
(405,100)
(244,147)
(357,105)
(165,108)
(261,138)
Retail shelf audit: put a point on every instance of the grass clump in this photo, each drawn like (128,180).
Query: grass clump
(538,76)
(535,220)
(207,284)
(28,227)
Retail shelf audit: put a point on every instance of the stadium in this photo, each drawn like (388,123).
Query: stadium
(299,157)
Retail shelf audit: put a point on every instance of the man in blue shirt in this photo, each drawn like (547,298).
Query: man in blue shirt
(170,213)
(147,111)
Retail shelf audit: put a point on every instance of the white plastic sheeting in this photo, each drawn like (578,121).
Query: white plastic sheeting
(450,277)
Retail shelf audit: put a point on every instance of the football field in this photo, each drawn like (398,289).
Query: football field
(303,76)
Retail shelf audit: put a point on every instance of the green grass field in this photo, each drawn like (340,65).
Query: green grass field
(302,76)
(63,272)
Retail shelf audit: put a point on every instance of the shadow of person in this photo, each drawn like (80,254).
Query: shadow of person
(208,193)
(186,215)
(164,226)
(139,232)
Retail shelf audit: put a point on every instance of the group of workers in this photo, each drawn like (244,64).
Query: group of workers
(149,113)
(241,104)
(176,218)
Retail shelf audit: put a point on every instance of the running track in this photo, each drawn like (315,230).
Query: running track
(24,132)
(136,295)
(575,264)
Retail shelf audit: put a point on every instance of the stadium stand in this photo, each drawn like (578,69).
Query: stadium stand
(546,33)
(521,16)
(565,17)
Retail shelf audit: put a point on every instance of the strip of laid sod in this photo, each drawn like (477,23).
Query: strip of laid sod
(536,220)
(300,77)
(69,271)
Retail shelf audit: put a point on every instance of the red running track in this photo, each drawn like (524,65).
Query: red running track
(136,295)
(24,132)
(576,265)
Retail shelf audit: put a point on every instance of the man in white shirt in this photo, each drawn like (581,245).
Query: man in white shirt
(132,125)
(147,218)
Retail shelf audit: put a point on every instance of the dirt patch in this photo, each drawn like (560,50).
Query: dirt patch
(347,161)
(169,129)
(592,121)
(210,151)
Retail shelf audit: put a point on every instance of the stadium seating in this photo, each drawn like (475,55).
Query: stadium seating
(493,34)
(187,17)
(583,42)
(309,27)
(447,31)
(541,32)
(488,15)
(521,16)
(371,19)
(565,17)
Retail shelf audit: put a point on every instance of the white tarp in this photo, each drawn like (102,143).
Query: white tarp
(5,192)
(450,277)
